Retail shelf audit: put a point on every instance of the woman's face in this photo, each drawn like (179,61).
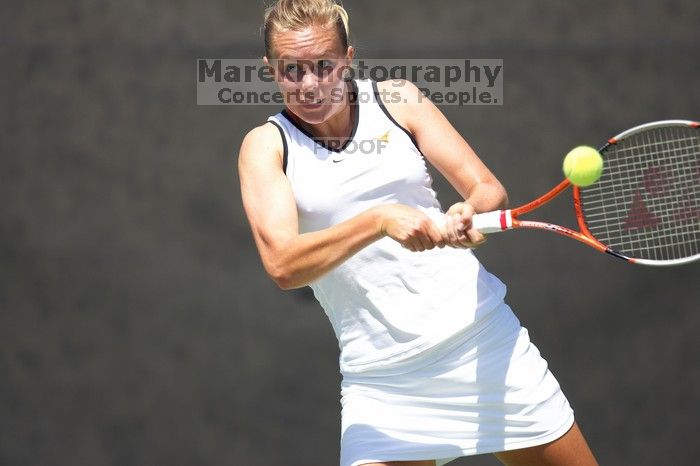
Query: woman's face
(308,67)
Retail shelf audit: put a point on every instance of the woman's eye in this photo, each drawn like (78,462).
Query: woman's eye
(293,71)
(324,68)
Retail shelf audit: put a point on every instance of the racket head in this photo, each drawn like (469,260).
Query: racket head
(646,204)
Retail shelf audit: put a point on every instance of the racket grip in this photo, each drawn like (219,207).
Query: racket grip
(492,222)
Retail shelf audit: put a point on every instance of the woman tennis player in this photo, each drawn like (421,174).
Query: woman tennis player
(435,365)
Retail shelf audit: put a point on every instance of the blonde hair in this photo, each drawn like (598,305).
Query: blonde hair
(295,15)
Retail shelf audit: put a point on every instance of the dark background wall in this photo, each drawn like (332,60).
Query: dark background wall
(137,326)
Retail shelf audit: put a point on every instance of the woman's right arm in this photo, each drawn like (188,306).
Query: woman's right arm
(292,259)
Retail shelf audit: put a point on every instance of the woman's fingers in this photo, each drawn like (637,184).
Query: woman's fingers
(458,232)
(435,235)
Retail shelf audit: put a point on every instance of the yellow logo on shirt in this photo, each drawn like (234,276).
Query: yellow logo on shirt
(384,137)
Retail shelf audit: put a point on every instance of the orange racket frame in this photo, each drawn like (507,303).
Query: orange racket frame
(501,220)
(492,222)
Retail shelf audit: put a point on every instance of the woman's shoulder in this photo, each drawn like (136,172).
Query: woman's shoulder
(402,100)
(263,143)
(263,131)
(390,89)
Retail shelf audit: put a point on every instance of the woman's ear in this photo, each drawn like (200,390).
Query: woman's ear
(346,68)
(271,69)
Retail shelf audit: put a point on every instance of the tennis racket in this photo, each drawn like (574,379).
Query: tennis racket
(645,208)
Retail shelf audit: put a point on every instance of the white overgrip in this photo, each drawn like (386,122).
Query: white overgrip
(492,222)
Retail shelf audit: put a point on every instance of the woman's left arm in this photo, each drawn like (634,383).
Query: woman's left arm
(447,151)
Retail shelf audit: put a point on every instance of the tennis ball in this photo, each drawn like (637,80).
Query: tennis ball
(583,166)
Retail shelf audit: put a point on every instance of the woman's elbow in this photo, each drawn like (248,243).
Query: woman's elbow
(494,195)
(503,197)
(286,283)
(282,276)
(278,275)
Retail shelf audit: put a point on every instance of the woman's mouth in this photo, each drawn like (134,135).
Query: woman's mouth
(312,104)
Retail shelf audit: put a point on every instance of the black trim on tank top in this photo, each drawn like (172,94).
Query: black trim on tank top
(284,146)
(354,115)
(391,118)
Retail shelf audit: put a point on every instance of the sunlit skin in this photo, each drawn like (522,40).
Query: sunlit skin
(307,66)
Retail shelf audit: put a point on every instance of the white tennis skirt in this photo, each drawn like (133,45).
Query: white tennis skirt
(485,390)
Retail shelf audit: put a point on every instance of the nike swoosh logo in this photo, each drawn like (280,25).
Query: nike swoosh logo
(336,161)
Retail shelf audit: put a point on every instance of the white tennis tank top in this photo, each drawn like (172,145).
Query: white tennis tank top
(386,303)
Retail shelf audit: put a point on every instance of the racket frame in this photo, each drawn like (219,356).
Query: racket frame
(502,220)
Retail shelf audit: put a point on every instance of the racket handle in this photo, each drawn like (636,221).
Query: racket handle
(493,222)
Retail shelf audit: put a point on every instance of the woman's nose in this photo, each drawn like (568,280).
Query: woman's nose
(309,83)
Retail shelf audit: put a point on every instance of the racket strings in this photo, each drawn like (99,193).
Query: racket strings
(646,204)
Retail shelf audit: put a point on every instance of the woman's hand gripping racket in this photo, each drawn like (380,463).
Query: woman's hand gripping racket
(644,208)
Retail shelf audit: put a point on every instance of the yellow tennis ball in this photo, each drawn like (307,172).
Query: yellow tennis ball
(583,165)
